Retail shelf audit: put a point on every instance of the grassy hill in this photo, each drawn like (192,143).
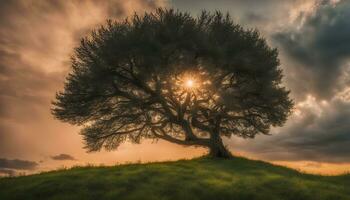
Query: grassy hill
(201,178)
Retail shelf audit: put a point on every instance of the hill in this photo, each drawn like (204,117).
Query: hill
(201,178)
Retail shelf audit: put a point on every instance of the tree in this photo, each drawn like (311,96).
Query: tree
(166,75)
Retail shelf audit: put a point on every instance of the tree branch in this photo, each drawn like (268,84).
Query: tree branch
(164,136)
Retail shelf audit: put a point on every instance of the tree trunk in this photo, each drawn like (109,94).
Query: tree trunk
(217,148)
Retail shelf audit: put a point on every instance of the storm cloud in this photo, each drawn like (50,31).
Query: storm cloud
(318,52)
(317,131)
(321,48)
(313,38)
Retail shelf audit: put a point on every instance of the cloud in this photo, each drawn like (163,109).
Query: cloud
(321,135)
(37,38)
(267,15)
(315,57)
(17,164)
(317,131)
(63,157)
(312,37)
(320,48)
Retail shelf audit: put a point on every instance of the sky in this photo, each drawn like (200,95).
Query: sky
(37,38)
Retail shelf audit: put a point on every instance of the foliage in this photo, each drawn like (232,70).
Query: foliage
(171,76)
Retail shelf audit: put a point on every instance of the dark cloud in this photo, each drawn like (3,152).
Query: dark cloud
(63,157)
(327,138)
(252,13)
(17,164)
(321,47)
(313,38)
(317,53)
(320,133)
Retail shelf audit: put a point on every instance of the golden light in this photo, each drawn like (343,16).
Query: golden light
(189,83)
(194,85)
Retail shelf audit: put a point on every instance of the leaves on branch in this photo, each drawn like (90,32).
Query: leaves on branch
(127,81)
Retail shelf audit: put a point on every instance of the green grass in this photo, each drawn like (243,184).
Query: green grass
(201,178)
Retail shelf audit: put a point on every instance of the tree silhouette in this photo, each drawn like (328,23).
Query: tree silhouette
(166,75)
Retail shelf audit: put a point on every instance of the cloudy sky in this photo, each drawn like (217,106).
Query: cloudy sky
(37,38)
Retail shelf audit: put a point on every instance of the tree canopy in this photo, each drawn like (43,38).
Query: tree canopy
(167,75)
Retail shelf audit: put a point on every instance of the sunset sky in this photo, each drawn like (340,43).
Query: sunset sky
(37,38)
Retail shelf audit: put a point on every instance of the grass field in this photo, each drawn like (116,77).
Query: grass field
(201,178)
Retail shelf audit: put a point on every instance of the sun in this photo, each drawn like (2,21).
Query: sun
(189,83)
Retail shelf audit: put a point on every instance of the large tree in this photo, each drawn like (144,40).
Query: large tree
(166,75)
